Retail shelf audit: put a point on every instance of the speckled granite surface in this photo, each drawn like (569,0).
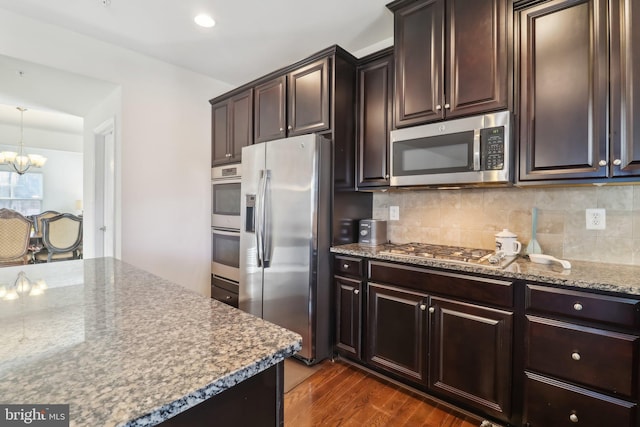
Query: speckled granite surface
(124,347)
(590,275)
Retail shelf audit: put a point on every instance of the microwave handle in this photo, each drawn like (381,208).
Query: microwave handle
(476,149)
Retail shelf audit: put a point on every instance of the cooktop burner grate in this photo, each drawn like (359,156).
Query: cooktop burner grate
(456,254)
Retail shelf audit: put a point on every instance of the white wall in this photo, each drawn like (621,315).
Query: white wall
(162,145)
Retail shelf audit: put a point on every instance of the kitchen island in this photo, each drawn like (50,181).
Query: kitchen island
(123,347)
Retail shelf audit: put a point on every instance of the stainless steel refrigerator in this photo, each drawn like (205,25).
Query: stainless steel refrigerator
(285,237)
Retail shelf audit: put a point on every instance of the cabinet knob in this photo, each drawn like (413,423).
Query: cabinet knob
(386,176)
(617,162)
(573,418)
(356,291)
(575,355)
(423,307)
(447,106)
(227,297)
(432,310)
(345,266)
(602,163)
(438,107)
(281,129)
(290,127)
(577,306)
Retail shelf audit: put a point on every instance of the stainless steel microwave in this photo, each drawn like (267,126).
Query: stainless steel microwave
(472,151)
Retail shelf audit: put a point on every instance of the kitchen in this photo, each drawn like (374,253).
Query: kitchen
(451,223)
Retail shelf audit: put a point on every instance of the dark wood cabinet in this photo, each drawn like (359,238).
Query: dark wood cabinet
(271,110)
(293,104)
(349,314)
(397,331)
(451,58)
(625,92)
(308,98)
(375,110)
(563,90)
(231,127)
(580,358)
(470,355)
(553,403)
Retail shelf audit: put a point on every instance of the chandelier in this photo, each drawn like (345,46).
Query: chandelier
(20,161)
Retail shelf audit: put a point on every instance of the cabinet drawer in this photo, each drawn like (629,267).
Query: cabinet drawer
(553,403)
(593,357)
(224,295)
(348,266)
(584,305)
(490,291)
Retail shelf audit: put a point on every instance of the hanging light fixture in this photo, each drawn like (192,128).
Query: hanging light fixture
(20,161)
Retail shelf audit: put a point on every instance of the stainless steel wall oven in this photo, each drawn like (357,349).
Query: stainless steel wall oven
(225,233)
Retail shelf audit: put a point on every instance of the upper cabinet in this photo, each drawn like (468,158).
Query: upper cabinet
(231,127)
(577,100)
(293,104)
(375,110)
(451,58)
(625,99)
(314,95)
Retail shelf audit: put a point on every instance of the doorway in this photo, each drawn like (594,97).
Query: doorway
(104,137)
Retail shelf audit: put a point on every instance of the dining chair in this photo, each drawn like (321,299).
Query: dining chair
(15,231)
(61,237)
(37,221)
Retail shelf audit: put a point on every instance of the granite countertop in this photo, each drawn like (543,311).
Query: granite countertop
(123,347)
(617,278)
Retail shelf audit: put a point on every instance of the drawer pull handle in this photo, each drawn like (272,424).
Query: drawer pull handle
(345,266)
(356,291)
(575,355)
(577,306)
(573,418)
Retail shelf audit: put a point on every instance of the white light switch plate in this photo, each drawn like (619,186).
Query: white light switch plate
(394,213)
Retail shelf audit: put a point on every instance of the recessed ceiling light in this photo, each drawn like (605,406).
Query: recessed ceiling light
(204,20)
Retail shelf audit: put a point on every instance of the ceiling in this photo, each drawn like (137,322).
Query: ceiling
(251,38)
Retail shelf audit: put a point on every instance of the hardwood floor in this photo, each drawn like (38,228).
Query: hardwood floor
(339,394)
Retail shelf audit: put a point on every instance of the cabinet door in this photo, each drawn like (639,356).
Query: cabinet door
(397,331)
(220,133)
(241,108)
(270,110)
(348,309)
(375,108)
(563,90)
(625,94)
(471,355)
(309,99)
(477,58)
(419,59)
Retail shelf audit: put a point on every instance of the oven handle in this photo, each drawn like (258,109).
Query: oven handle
(476,149)
(222,232)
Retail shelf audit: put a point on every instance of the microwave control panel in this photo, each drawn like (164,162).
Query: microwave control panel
(493,148)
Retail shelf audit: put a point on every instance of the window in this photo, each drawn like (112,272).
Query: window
(22,193)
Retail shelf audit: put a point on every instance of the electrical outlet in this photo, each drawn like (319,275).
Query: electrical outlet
(394,213)
(596,219)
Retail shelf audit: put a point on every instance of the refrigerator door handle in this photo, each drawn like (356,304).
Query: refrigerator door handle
(258,220)
(266,225)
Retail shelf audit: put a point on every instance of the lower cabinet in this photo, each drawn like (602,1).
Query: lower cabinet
(471,355)
(397,331)
(349,312)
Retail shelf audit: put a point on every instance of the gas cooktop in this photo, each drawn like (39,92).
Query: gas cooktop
(455,254)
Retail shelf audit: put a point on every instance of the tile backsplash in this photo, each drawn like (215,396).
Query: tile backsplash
(471,217)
